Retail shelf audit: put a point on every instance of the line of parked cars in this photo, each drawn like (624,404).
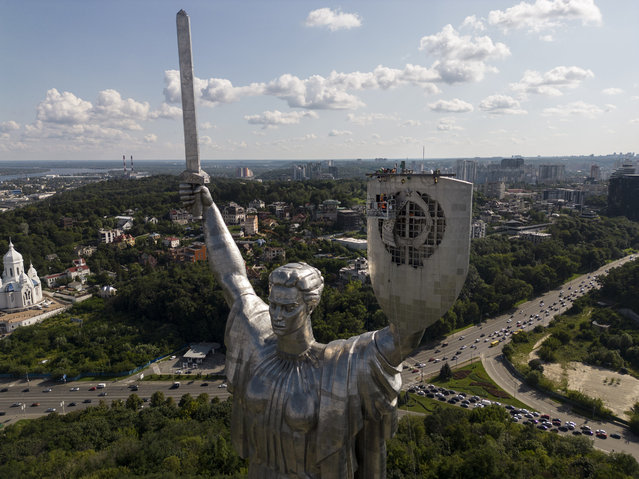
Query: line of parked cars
(523,416)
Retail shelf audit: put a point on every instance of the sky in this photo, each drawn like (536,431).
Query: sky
(306,80)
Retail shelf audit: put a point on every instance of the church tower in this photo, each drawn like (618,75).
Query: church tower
(19,289)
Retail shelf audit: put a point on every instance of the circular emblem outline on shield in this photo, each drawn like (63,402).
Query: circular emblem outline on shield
(415,231)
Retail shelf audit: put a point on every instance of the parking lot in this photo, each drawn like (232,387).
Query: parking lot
(523,416)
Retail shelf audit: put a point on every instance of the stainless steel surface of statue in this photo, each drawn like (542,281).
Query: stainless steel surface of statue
(302,409)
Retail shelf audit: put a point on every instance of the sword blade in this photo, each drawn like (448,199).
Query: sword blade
(193,173)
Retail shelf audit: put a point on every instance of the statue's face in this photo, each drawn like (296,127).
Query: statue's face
(287,309)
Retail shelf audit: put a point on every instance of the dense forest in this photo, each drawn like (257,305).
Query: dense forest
(192,439)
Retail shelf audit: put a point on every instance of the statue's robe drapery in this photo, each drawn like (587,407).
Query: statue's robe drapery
(323,414)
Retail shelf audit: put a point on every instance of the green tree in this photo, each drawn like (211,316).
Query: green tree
(445,372)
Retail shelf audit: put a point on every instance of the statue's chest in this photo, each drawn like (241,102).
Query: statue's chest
(284,394)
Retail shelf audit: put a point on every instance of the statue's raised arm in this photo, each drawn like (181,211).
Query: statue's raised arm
(224,256)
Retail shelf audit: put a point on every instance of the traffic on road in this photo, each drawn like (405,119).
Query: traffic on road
(485,342)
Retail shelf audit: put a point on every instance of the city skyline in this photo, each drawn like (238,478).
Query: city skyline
(309,80)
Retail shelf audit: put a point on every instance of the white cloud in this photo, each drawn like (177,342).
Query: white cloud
(367,119)
(340,133)
(211,91)
(451,106)
(553,81)
(64,108)
(462,58)
(448,124)
(577,108)
(273,119)
(333,19)
(547,38)
(207,125)
(150,138)
(110,105)
(312,93)
(7,126)
(459,59)
(76,122)
(411,123)
(545,14)
(473,23)
(166,111)
(612,91)
(501,105)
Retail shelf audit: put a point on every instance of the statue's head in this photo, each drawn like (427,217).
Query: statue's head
(294,291)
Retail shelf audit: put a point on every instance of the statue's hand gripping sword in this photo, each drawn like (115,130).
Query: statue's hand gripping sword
(193,173)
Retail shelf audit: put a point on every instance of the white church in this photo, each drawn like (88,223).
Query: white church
(19,289)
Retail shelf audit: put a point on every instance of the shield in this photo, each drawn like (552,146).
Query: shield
(418,244)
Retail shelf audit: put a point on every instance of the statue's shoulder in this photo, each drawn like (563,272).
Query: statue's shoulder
(249,304)
(354,344)
(249,318)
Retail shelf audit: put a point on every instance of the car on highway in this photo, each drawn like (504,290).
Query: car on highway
(35,404)
(86,401)
(93,388)
(103,393)
(72,404)
(4,390)
(51,409)
(74,389)
(47,390)
(16,404)
(615,435)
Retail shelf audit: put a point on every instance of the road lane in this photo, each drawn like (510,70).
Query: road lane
(114,390)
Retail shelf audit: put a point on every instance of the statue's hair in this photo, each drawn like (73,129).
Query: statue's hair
(307,279)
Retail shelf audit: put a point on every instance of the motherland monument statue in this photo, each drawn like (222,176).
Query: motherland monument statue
(312,410)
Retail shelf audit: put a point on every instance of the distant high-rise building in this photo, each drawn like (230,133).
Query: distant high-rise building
(478,229)
(623,196)
(551,173)
(564,194)
(243,172)
(627,168)
(315,171)
(250,225)
(595,172)
(299,172)
(466,170)
(514,162)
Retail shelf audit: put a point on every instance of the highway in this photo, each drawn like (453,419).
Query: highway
(38,393)
(476,343)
